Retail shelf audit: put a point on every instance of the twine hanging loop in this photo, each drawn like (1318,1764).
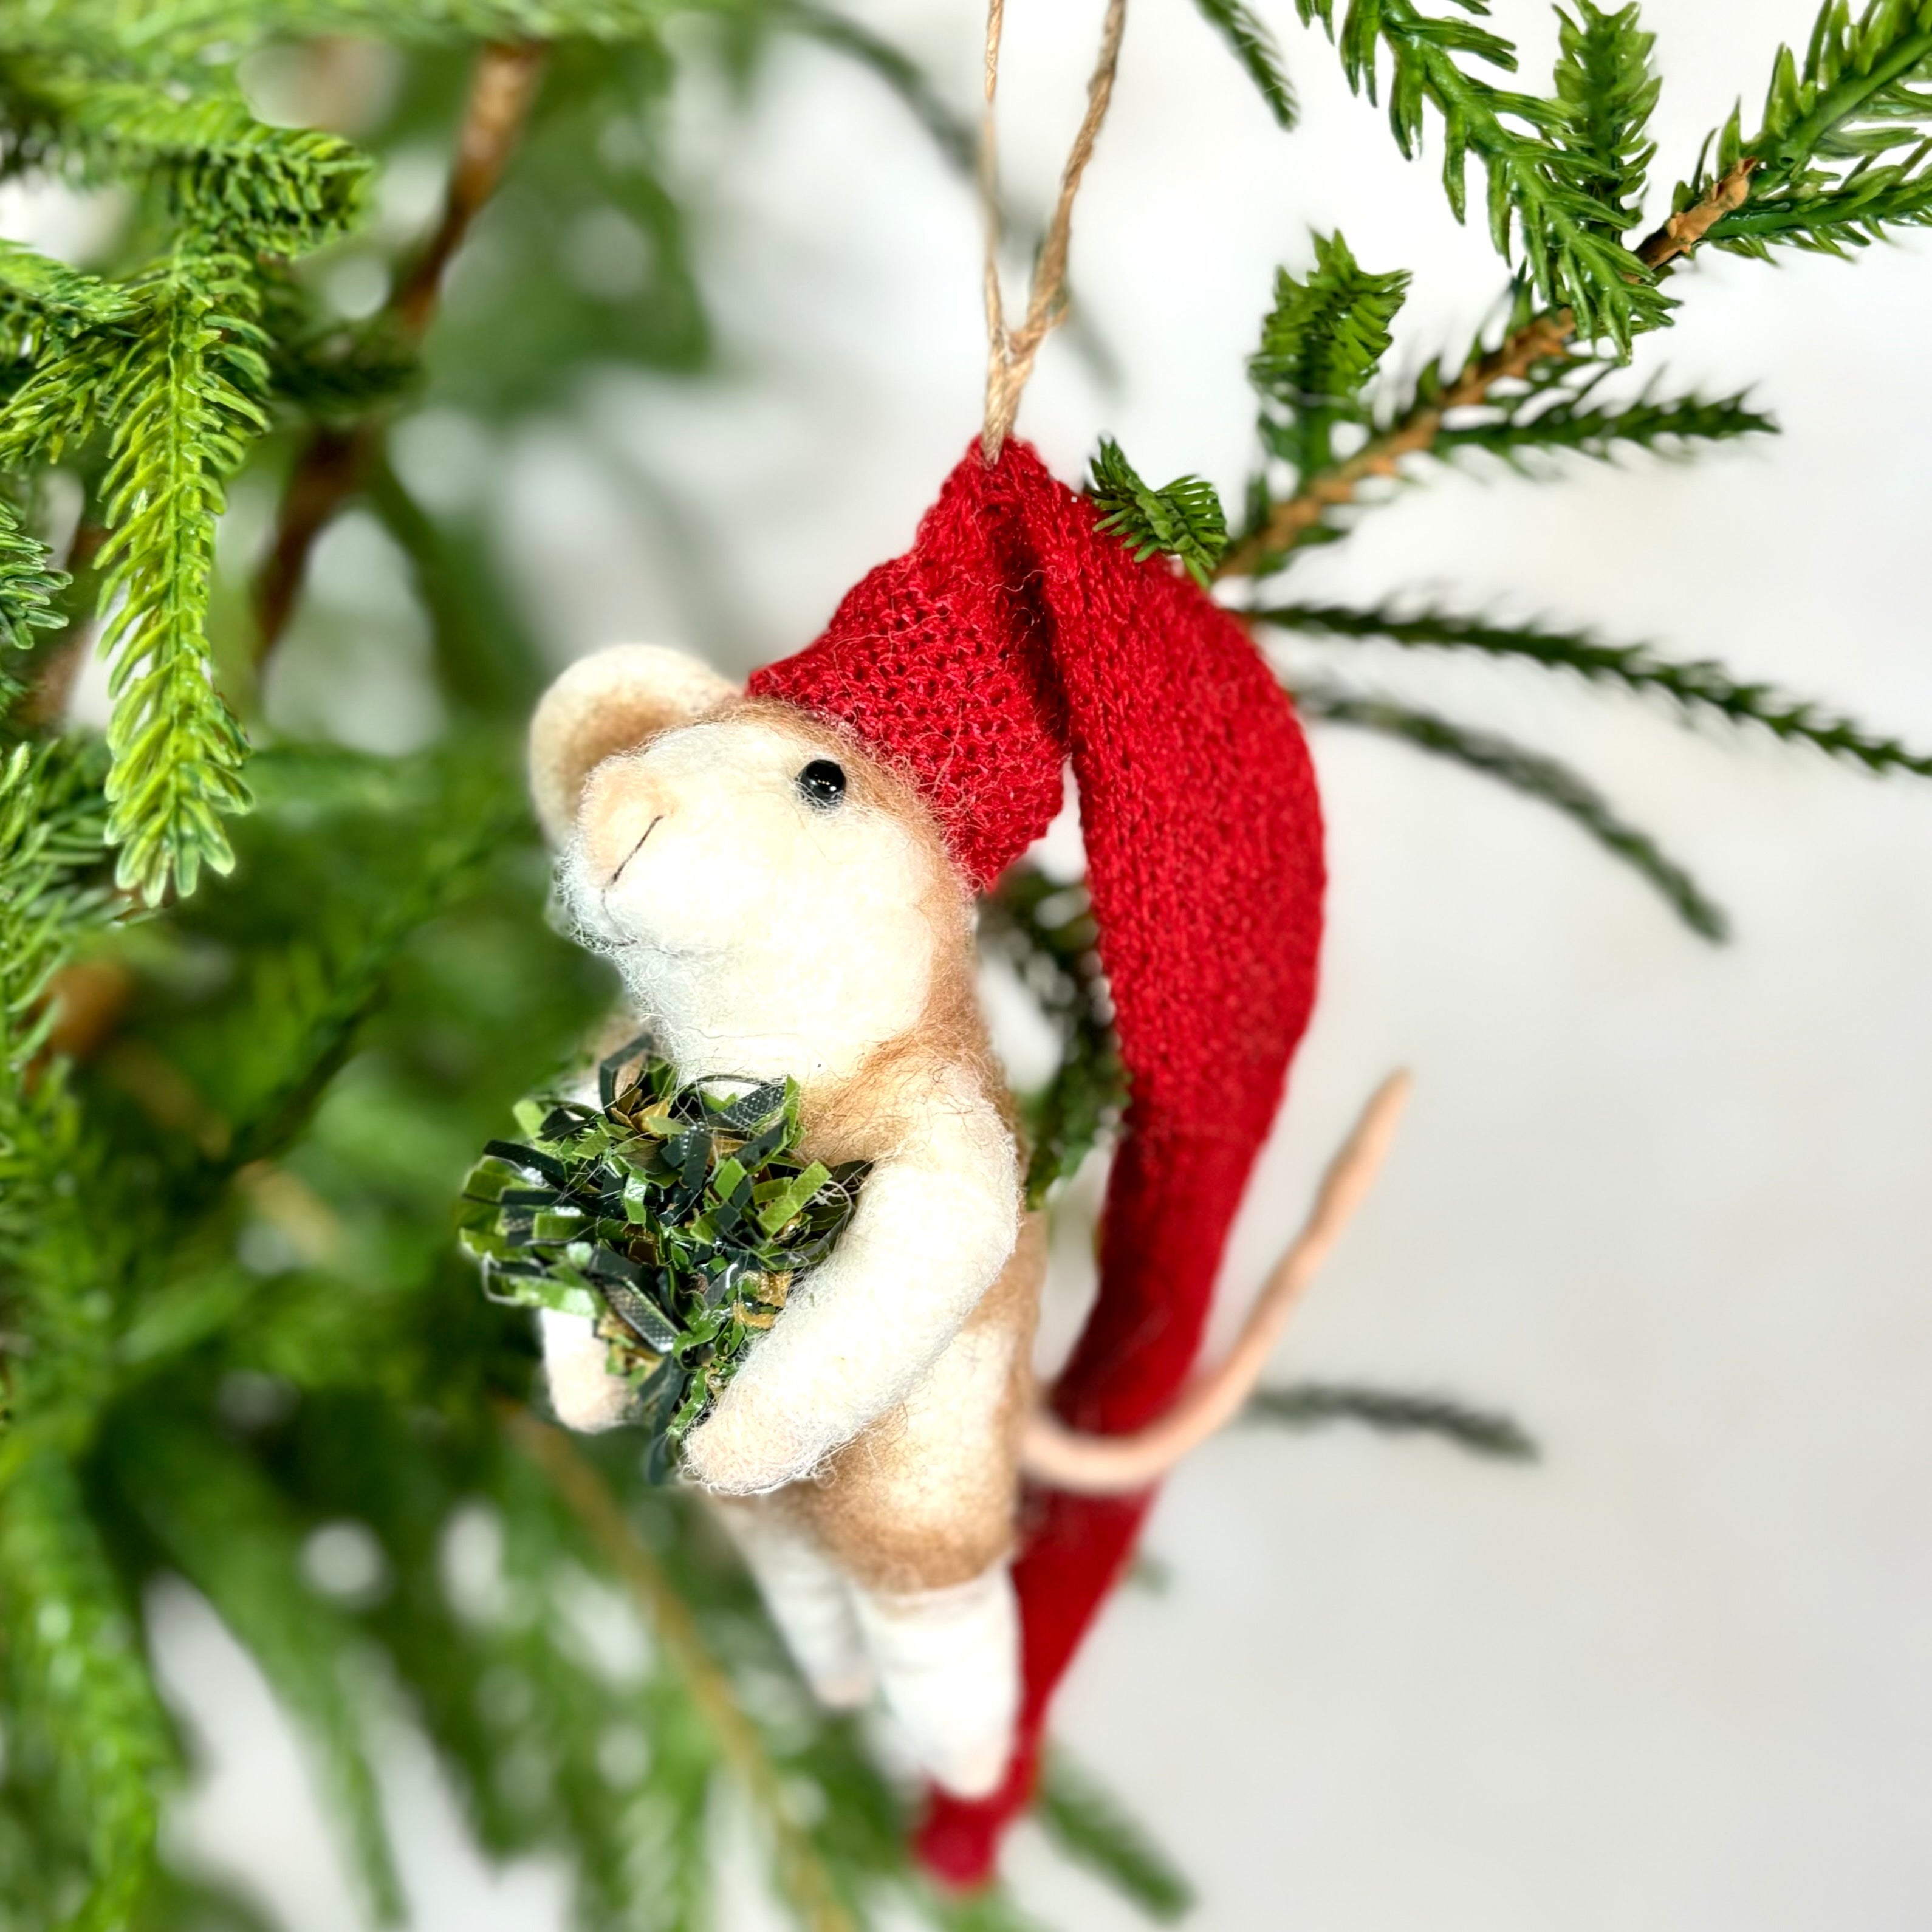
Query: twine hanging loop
(1010,354)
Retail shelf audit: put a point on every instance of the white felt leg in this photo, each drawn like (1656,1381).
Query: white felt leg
(809,1601)
(949,1664)
(584,1392)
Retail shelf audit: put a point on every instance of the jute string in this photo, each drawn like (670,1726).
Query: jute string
(1010,354)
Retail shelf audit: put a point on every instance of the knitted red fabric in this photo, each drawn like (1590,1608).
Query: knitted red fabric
(1015,629)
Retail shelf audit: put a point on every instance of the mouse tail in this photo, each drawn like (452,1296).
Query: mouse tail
(1061,1458)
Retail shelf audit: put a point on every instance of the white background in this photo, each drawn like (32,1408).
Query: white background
(1667,1203)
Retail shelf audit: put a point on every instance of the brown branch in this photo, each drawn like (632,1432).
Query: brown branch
(1686,228)
(335,463)
(1538,339)
(588,1498)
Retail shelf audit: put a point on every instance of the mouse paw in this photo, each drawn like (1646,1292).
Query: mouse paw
(752,1443)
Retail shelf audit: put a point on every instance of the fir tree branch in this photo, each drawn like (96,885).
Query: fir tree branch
(224,1528)
(337,461)
(1565,240)
(1184,519)
(28,585)
(1089,1825)
(1250,41)
(1540,339)
(219,172)
(1700,687)
(1575,422)
(1816,173)
(1482,1431)
(1321,345)
(89,1746)
(1530,773)
(801,1873)
(183,402)
(1606,91)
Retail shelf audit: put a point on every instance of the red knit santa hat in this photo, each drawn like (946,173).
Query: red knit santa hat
(1014,634)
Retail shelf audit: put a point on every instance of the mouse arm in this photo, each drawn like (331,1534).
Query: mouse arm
(936,1221)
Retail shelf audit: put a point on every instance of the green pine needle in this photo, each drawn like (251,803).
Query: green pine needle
(1531,773)
(1091,1825)
(1840,155)
(216,172)
(1321,347)
(1558,234)
(90,1751)
(1047,931)
(223,1525)
(1607,91)
(1562,414)
(29,585)
(183,405)
(1482,1432)
(1702,688)
(1253,44)
(1184,520)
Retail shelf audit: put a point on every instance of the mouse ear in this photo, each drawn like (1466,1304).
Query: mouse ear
(610,702)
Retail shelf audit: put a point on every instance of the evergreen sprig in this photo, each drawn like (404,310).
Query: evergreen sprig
(1532,774)
(1252,43)
(1482,1432)
(185,399)
(1841,153)
(1607,90)
(1560,413)
(1184,519)
(1702,688)
(214,170)
(1539,214)
(1321,344)
(1046,930)
(1091,1826)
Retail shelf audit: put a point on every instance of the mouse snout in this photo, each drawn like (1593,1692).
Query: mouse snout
(621,807)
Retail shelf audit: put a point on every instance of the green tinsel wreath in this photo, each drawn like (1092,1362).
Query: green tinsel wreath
(676,1218)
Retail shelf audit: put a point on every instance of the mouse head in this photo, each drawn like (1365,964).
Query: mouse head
(735,853)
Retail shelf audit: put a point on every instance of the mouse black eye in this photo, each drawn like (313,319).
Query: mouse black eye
(822,784)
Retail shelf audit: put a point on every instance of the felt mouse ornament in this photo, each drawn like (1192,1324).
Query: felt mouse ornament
(785,877)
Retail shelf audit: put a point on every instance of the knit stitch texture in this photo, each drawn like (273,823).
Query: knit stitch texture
(1014,635)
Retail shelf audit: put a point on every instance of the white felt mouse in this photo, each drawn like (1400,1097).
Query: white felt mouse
(785,878)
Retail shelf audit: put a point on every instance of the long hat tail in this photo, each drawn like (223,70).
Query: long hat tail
(1203,835)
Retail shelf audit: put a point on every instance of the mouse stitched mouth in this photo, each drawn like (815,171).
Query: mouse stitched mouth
(634,851)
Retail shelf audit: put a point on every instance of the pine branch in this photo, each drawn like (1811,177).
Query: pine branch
(1482,1431)
(1574,422)
(1607,91)
(1816,172)
(1702,688)
(1184,519)
(1089,1825)
(221,1524)
(1528,345)
(28,585)
(801,1874)
(952,133)
(1253,44)
(184,403)
(219,173)
(1321,345)
(89,1749)
(1562,239)
(1530,773)
(1047,931)
(337,461)
(44,303)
